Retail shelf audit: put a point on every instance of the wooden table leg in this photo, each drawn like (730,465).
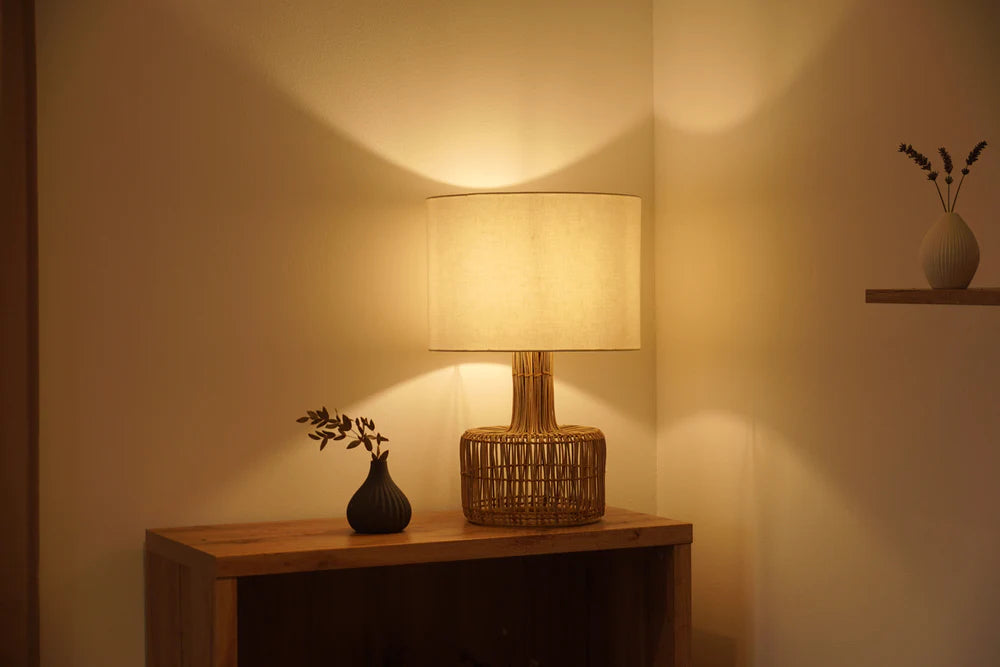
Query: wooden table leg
(669,610)
(163,613)
(224,638)
(190,617)
(679,608)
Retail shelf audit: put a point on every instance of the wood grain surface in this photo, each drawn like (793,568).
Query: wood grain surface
(976,296)
(327,544)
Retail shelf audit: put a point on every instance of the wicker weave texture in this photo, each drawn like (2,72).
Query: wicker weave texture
(534,472)
(551,479)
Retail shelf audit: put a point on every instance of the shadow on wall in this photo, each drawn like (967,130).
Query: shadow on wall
(243,247)
(712,650)
(473,95)
(216,259)
(863,436)
(248,247)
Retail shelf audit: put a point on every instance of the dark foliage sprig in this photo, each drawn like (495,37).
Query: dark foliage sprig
(339,427)
(925,164)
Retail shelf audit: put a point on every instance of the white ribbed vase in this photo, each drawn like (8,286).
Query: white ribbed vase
(949,253)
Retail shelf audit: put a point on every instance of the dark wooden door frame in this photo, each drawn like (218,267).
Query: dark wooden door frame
(19,637)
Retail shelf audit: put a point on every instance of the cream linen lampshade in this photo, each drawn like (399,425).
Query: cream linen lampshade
(533,273)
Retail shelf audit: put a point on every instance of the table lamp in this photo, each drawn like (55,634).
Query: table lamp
(533,273)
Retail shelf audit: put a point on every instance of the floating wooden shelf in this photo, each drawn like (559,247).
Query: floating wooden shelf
(978,296)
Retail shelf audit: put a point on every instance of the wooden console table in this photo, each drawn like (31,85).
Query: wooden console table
(444,592)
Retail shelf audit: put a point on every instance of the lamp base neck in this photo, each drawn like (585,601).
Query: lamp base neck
(534,399)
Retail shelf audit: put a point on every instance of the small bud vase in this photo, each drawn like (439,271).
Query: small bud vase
(949,253)
(379,506)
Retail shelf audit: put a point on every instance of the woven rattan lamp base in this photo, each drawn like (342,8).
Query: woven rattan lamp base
(533,472)
(533,479)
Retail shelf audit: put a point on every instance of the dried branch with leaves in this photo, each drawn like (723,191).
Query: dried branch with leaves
(340,427)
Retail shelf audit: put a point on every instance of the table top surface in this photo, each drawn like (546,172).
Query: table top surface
(279,547)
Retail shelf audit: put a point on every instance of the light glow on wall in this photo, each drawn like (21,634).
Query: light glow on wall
(455,92)
(717,62)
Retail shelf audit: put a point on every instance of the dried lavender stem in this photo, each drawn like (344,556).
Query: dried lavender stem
(946,209)
(938,188)
(957,190)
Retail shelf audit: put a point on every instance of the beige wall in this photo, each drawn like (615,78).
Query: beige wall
(839,460)
(231,231)
(231,221)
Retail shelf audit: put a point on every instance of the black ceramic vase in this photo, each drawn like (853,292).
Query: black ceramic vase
(378,506)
